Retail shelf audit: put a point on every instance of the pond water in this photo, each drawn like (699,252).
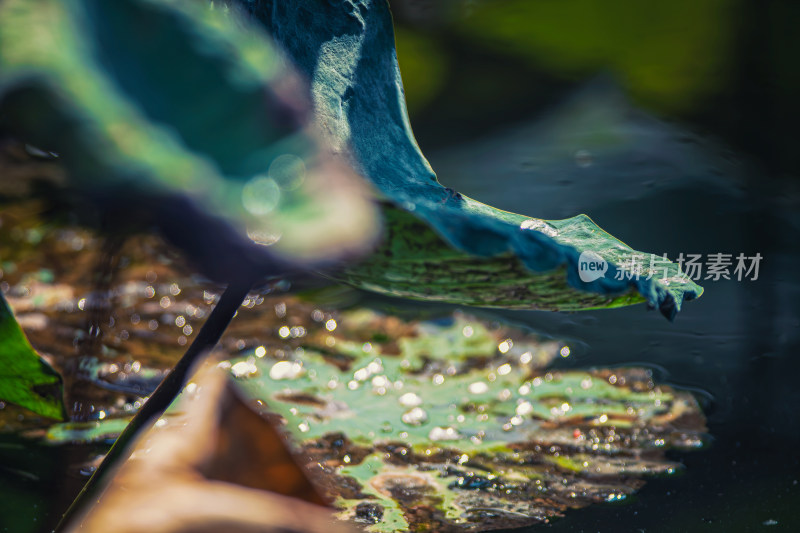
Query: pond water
(657,187)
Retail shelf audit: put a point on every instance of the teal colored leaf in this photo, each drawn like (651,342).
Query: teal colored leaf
(462,251)
(456,426)
(25,378)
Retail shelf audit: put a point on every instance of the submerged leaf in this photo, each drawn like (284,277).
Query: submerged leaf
(85,432)
(457,426)
(25,378)
(463,251)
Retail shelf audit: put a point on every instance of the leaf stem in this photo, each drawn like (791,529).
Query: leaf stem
(162,397)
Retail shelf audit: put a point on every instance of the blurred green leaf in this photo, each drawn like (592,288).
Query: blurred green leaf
(183,113)
(25,378)
(423,65)
(670,55)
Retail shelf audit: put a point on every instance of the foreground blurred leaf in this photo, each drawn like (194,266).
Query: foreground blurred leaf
(25,378)
(182,116)
(433,233)
(459,426)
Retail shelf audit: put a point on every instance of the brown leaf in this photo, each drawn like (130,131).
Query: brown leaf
(209,468)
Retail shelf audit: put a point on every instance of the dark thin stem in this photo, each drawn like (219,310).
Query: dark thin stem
(162,397)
